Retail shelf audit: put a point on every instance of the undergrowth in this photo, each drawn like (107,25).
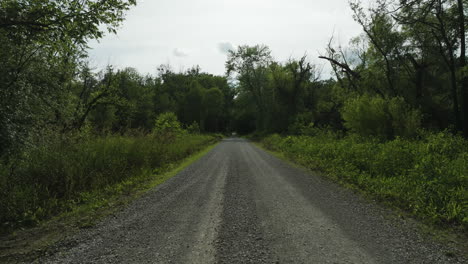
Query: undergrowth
(61,173)
(426,177)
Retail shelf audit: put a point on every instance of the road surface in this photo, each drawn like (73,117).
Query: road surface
(239,204)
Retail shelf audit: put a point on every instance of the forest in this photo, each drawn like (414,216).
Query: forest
(392,120)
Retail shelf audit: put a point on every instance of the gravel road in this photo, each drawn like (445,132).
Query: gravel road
(239,204)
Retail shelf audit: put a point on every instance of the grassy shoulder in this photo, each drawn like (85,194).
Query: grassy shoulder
(89,207)
(426,178)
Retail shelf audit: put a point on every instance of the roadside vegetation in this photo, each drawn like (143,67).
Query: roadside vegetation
(425,176)
(67,171)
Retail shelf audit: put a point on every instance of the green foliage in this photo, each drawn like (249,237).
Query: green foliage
(374,116)
(117,101)
(167,125)
(52,177)
(193,104)
(405,120)
(74,21)
(302,123)
(412,50)
(426,177)
(195,97)
(366,116)
(213,101)
(251,63)
(43,45)
(194,128)
(278,93)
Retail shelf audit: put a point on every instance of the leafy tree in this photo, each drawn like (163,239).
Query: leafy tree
(43,43)
(280,92)
(193,110)
(195,97)
(413,50)
(213,101)
(251,65)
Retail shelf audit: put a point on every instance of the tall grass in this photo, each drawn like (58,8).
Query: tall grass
(427,177)
(50,177)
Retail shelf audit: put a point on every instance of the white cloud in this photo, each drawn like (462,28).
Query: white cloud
(153,29)
(225,47)
(180,53)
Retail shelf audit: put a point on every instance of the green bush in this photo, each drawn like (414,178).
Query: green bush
(167,124)
(366,116)
(302,122)
(194,128)
(427,177)
(405,120)
(51,177)
(374,116)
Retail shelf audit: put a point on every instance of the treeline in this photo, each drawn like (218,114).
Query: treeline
(406,71)
(116,101)
(278,97)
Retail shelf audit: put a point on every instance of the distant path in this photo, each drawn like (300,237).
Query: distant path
(239,204)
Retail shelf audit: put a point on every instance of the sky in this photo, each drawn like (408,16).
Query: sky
(184,33)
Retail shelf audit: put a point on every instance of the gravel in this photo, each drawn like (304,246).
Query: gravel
(239,204)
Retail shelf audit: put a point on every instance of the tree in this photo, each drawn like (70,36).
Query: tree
(43,42)
(385,40)
(213,102)
(251,65)
(195,96)
(464,78)
(193,109)
(409,50)
(444,22)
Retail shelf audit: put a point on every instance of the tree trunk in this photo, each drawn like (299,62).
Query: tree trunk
(456,110)
(450,60)
(464,80)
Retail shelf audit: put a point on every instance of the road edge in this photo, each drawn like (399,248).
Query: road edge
(446,237)
(26,245)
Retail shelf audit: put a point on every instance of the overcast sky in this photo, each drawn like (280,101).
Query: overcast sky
(184,33)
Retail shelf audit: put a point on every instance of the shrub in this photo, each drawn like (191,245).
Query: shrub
(366,116)
(194,128)
(167,123)
(374,116)
(302,121)
(406,121)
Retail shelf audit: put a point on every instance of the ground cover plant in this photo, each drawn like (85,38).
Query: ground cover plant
(427,177)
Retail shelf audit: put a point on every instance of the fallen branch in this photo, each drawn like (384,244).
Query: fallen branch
(343,66)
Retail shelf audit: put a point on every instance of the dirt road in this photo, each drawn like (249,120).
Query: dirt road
(239,204)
